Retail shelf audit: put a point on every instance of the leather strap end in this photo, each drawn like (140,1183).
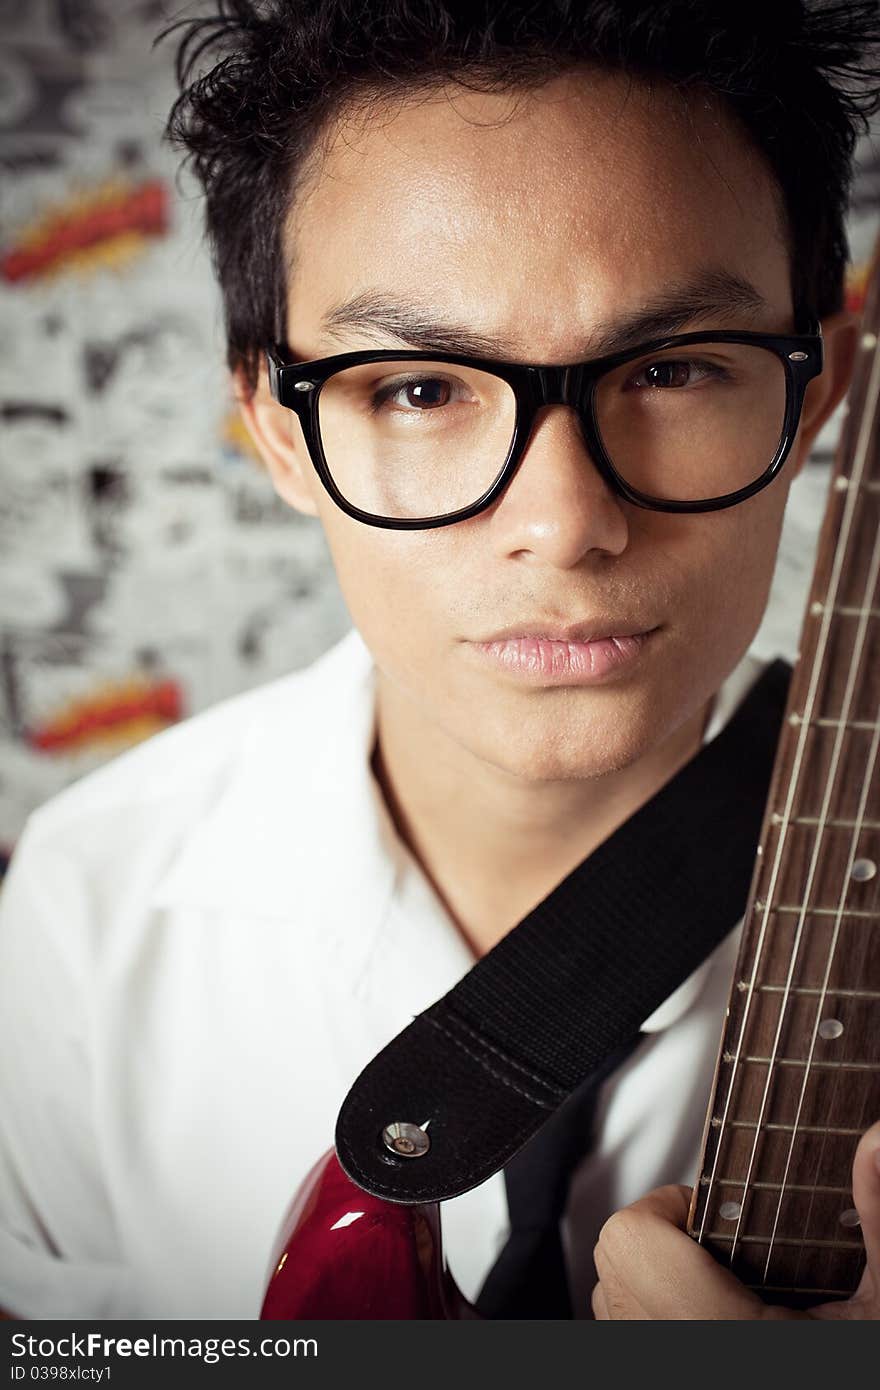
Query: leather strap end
(476,1110)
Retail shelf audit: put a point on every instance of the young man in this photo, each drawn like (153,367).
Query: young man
(205,942)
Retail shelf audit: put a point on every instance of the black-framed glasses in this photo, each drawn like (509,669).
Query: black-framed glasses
(689,423)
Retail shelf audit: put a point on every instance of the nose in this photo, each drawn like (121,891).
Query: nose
(557,507)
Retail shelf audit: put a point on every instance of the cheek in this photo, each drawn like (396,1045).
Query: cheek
(396,586)
(737,557)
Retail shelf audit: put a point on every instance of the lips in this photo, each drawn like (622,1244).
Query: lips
(551,661)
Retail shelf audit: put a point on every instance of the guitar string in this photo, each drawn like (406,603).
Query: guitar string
(861,1123)
(783,826)
(860,457)
(838,922)
(854,482)
(864,1121)
(804,897)
(844,1005)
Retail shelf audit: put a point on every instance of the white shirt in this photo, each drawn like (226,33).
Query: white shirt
(202,944)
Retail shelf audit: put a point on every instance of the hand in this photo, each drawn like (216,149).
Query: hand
(649,1269)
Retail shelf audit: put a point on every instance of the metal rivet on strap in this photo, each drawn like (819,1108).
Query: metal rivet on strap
(406,1140)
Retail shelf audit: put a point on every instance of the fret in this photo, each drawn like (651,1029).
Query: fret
(798,1288)
(844,610)
(830,953)
(833,823)
(801,1062)
(775,1186)
(812,1000)
(822,868)
(850,586)
(798,1170)
(814,911)
(802,1106)
(783,1237)
(841,638)
(801,1212)
(812,1242)
(801,1059)
(813,993)
(825,723)
(798,1274)
(717,1121)
(838,775)
(842,484)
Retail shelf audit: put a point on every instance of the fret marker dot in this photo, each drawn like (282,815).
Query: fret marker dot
(863,869)
(850,1217)
(830,1028)
(729,1211)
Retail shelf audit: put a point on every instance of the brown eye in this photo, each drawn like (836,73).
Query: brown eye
(416,395)
(427,393)
(673,373)
(668,374)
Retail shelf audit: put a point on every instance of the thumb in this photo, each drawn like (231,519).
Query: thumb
(866,1196)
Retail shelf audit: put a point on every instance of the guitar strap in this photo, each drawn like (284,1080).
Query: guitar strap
(483,1068)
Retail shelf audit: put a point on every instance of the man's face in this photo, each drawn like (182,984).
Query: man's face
(536,219)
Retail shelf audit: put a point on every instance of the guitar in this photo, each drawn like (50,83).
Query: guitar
(798,1074)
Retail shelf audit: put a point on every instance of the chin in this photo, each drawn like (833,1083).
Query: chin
(565,757)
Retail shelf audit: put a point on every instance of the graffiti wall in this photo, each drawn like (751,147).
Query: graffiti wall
(147,568)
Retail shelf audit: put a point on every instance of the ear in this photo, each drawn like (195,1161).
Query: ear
(841,333)
(278,438)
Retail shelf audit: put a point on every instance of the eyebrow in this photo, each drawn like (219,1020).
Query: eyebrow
(709,294)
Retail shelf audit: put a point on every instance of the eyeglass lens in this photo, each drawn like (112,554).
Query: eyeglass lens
(423,439)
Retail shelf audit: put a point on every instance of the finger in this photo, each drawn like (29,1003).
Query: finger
(866,1196)
(670,1203)
(600,1307)
(646,1260)
(618,1300)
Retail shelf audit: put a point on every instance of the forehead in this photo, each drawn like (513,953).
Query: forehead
(537,208)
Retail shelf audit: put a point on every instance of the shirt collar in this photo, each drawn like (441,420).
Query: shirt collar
(300,832)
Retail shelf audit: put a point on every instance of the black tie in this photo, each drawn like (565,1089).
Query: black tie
(529,1279)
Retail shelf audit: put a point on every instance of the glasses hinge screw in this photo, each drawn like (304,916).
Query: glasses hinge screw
(303,385)
(797,357)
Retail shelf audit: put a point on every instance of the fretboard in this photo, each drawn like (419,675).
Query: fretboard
(798,1075)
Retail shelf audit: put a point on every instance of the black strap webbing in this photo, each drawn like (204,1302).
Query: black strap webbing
(487,1064)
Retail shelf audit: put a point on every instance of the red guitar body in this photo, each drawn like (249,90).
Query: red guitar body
(334,1234)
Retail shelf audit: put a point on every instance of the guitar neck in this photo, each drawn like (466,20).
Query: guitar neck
(798,1073)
